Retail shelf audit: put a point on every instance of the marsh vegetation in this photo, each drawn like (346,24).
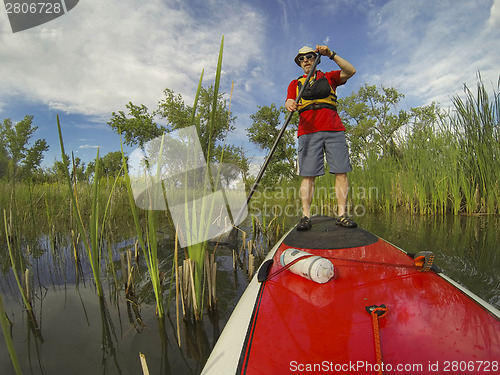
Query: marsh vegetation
(87,271)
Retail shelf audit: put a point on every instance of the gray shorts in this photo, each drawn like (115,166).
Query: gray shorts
(313,147)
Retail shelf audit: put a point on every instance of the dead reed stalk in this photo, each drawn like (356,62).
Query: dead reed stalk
(211,276)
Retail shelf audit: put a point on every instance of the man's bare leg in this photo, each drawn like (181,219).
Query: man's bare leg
(341,190)
(306,194)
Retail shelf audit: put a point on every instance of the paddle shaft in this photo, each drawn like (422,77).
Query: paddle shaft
(280,135)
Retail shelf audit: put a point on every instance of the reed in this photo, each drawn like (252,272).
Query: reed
(443,162)
(93,252)
(144,364)
(177,289)
(51,208)
(15,271)
(75,240)
(4,321)
(211,276)
(92,243)
(149,248)
(198,225)
(476,125)
(76,211)
(25,291)
(127,273)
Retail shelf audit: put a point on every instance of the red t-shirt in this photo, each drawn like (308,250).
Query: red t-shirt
(316,120)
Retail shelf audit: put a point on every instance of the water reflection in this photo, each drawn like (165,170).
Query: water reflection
(81,334)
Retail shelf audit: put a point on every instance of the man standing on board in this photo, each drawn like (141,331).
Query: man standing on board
(321,131)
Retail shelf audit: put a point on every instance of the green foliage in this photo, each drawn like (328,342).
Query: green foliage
(93,241)
(443,161)
(14,147)
(138,126)
(266,126)
(110,165)
(4,159)
(173,109)
(235,156)
(477,125)
(421,160)
(372,121)
(149,248)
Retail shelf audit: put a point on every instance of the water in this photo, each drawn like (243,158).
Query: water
(467,248)
(82,334)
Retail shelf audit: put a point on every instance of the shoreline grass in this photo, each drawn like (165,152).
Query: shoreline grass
(445,163)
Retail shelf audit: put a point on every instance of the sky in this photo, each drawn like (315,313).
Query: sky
(101,55)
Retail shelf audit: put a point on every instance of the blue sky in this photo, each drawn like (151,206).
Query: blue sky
(103,54)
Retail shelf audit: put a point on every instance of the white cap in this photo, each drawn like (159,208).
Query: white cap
(304,51)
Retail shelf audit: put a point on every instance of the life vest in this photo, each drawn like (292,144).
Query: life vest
(318,94)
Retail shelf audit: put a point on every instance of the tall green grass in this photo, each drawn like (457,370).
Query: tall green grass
(477,126)
(199,228)
(92,242)
(449,165)
(443,163)
(51,209)
(149,248)
(197,219)
(24,295)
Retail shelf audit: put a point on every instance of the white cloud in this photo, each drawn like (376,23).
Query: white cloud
(88,146)
(256,165)
(103,54)
(494,19)
(433,48)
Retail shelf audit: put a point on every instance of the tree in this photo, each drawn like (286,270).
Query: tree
(23,160)
(178,115)
(109,165)
(234,156)
(264,131)
(139,127)
(174,110)
(4,157)
(57,171)
(372,121)
(75,167)
(77,170)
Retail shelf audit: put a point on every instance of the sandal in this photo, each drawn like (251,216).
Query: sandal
(346,222)
(304,224)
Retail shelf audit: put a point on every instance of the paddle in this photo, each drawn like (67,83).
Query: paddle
(280,135)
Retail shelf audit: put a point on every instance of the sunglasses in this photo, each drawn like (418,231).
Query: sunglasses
(309,56)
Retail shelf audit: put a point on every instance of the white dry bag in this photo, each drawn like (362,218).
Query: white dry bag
(313,267)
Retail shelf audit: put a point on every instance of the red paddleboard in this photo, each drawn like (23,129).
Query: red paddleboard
(383,312)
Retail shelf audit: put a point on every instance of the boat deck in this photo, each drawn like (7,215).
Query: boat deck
(325,234)
(291,324)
